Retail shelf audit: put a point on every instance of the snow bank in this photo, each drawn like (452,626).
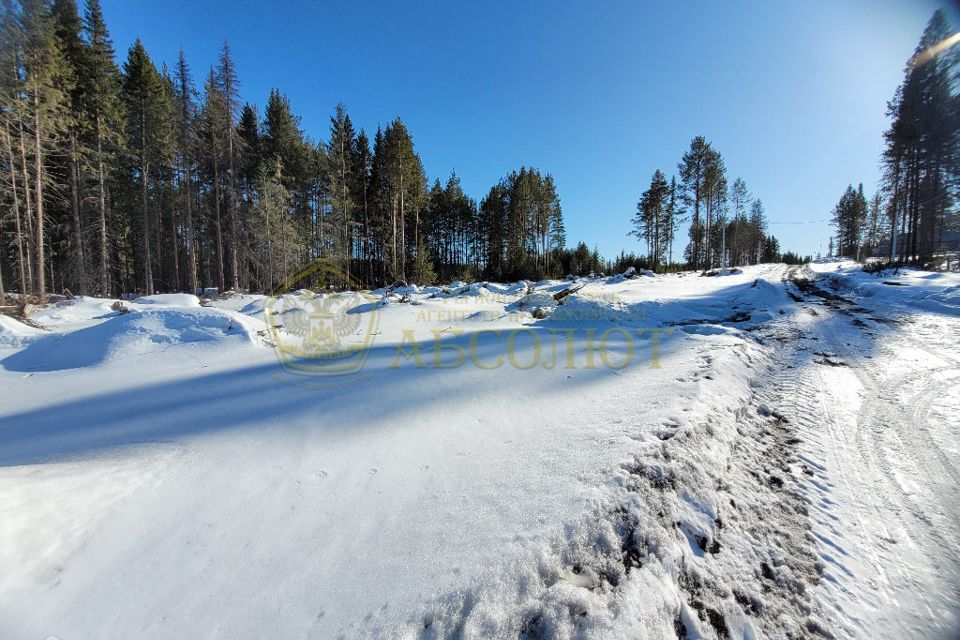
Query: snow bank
(71,314)
(905,287)
(630,274)
(529,302)
(14,333)
(169,300)
(515,289)
(132,334)
(579,308)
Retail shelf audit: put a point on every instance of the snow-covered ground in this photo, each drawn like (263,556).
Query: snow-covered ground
(770,453)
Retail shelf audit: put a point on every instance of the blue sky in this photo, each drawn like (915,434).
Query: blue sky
(600,94)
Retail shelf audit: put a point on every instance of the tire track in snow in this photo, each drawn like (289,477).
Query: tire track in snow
(900,479)
(705,530)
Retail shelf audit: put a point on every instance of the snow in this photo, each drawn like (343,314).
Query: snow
(632,463)
(937,292)
(878,434)
(131,334)
(14,333)
(169,300)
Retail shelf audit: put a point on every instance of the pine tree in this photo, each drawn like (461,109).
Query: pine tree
(276,244)
(227,87)
(361,189)
(715,192)
(403,184)
(693,167)
(114,182)
(771,250)
(674,215)
(650,222)
(46,86)
(283,140)
(101,80)
(11,109)
(149,132)
(68,31)
(558,231)
(848,218)
(921,160)
(493,228)
(186,146)
(875,228)
(739,197)
(757,231)
(340,167)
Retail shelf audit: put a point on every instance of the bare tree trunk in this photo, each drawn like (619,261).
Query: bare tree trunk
(347,239)
(232,210)
(904,248)
(270,259)
(393,223)
(28,199)
(144,170)
(894,204)
(366,233)
(191,238)
(75,209)
(103,276)
(403,228)
(16,211)
(216,212)
(147,257)
(174,241)
(707,238)
(41,288)
(915,207)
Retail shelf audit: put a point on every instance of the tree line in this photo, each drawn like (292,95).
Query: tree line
(130,178)
(913,213)
(728,226)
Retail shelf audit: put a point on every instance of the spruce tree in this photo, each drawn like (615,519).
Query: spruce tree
(921,162)
(100,78)
(341,165)
(228,87)
(149,131)
(68,31)
(362,198)
(757,231)
(186,147)
(214,124)
(739,198)
(47,84)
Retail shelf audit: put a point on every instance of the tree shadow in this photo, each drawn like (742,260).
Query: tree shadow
(393,386)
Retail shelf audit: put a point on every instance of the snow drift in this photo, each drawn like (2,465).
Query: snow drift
(132,334)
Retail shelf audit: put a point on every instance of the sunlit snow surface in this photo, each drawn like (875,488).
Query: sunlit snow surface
(162,475)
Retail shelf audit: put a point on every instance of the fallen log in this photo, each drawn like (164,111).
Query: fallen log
(560,295)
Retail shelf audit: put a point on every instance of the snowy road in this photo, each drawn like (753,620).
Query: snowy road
(874,392)
(789,470)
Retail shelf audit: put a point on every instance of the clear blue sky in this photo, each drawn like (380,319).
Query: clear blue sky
(600,94)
